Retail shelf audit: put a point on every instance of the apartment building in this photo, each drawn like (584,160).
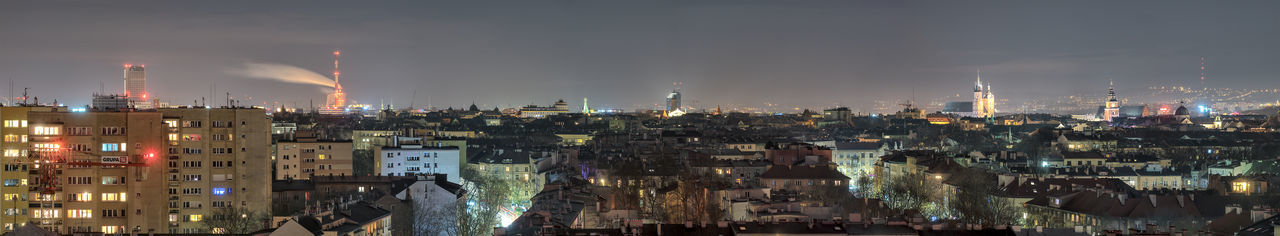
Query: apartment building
(415,158)
(16,166)
(91,171)
(218,158)
(307,156)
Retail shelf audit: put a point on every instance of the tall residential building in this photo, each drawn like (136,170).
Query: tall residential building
(306,157)
(1113,105)
(984,101)
(16,166)
(218,158)
(135,86)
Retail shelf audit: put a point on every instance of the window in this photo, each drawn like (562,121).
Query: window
(110,229)
(14,153)
(14,138)
(79,131)
(45,130)
(191,177)
(15,123)
(46,213)
(191,124)
(195,218)
(173,137)
(191,137)
(221,191)
(192,151)
(112,180)
(171,123)
(192,164)
(191,191)
(47,146)
(80,180)
(10,182)
(80,197)
(113,147)
(80,147)
(321,156)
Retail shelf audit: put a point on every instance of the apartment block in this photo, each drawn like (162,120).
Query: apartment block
(413,158)
(306,157)
(16,166)
(217,158)
(95,171)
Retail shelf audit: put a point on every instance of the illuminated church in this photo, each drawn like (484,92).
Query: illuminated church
(984,102)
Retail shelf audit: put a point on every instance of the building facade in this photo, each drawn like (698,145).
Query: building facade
(307,157)
(414,159)
(218,158)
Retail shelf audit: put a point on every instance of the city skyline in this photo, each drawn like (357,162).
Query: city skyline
(627,54)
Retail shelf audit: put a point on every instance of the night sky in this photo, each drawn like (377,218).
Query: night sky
(807,53)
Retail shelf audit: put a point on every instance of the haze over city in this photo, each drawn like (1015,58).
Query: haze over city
(627,54)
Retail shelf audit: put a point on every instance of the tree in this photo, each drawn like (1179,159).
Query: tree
(235,221)
(909,191)
(487,196)
(973,202)
(362,162)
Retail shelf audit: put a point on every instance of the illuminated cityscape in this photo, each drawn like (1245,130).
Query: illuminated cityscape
(744,117)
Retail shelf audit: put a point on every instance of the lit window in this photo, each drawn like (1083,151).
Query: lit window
(81,213)
(15,123)
(113,147)
(220,191)
(46,130)
(173,137)
(195,218)
(321,156)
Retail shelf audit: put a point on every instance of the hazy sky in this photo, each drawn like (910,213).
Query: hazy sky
(620,53)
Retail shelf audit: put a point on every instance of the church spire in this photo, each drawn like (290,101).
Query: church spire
(977,85)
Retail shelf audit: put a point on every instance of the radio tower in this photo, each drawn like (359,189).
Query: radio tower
(338,99)
(1202,73)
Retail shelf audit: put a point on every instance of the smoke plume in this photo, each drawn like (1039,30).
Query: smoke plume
(283,73)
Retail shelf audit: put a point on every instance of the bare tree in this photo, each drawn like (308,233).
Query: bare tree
(232,220)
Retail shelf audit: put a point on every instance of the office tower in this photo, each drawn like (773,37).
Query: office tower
(135,86)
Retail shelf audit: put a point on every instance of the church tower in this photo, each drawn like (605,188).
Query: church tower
(1112,109)
(984,102)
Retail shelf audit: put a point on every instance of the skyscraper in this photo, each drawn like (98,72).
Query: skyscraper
(673,103)
(135,85)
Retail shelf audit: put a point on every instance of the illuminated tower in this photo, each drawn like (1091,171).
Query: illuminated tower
(984,101)
(1112,109)
(337,99)
(135,85)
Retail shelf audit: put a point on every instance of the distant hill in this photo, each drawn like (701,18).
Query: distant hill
(1263,111)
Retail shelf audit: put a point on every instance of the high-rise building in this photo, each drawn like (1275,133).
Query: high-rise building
(15,175)
(984,101)
(217,159)
(673,103)
(108,171)
(135,86)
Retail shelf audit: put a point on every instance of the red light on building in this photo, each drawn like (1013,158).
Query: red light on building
(128,65)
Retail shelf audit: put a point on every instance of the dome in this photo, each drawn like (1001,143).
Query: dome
(1182,111)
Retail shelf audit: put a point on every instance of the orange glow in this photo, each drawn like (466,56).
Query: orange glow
(336,53)
(128,65)
(144,96)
